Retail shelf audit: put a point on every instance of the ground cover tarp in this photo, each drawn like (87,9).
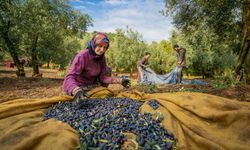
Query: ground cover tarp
(199,121)
(150,77)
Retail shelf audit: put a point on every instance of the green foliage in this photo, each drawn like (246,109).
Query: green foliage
(56,29)
(86,38)
(66,52)
(162,59)
(153,88)
(209,31)
(62,73)
(206,54)
(10,18)
(2,52)
(216,15)
(148,88)
(227,79)
(44,29)
(1,55)
(126,48)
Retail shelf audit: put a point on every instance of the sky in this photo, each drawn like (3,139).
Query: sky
(140,15)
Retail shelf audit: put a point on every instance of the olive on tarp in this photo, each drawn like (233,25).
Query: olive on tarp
(102,122)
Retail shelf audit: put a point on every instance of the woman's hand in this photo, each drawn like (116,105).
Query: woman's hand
(80,95)
(126,83)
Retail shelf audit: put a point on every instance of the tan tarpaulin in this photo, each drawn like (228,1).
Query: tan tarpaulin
(199,121)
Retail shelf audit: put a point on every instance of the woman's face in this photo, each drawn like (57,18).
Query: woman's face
(101,48)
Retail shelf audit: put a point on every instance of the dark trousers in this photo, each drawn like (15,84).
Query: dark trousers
(179,74)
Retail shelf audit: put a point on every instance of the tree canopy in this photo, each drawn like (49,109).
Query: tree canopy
(38,29)
(215,26)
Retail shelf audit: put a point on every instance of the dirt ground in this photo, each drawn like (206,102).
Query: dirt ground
(50,84)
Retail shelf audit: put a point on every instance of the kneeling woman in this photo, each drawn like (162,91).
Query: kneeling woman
(89,69)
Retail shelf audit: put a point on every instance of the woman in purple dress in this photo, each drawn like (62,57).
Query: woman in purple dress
(89,69)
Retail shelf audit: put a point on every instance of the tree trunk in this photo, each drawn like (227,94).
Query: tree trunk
(243,62)
(10,45)
(13,52)
(48,62)
(247,67)
(34,59)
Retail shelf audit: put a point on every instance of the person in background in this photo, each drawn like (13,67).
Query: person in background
(141,65)
(89,69)
(181,61)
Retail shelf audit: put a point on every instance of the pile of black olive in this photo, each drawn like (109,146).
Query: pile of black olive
(101,123)
(154,104)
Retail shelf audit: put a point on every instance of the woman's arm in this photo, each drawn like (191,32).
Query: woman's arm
(70,85)
(104,76)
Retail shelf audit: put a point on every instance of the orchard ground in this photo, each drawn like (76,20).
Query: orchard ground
(50,84)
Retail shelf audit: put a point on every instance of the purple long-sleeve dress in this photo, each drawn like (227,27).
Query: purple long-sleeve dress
(85,71)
